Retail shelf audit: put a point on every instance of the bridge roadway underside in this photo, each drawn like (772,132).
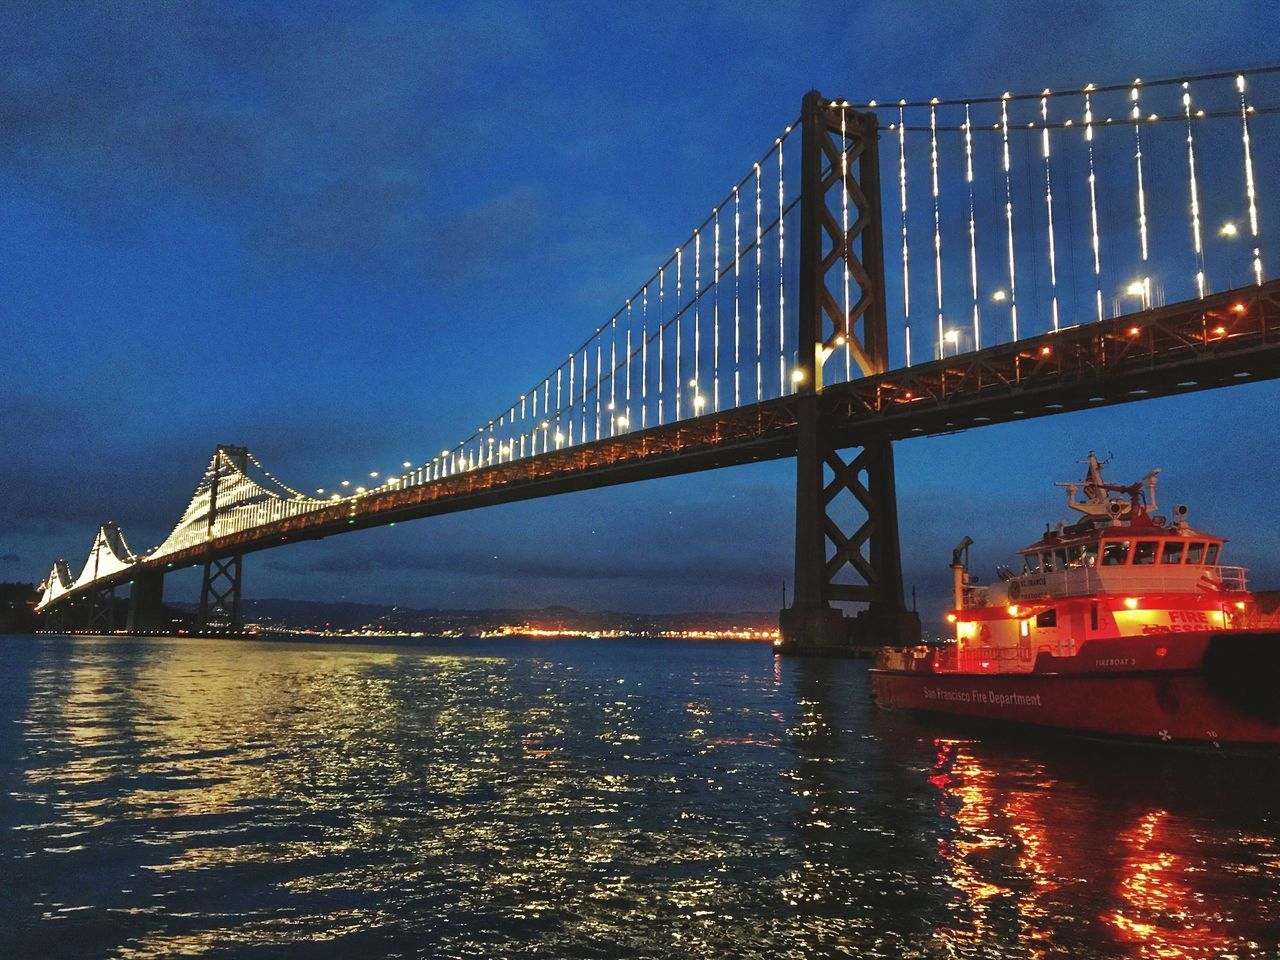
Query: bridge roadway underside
(1223,340)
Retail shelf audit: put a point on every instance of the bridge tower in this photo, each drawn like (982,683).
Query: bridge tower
(840,165)
(220,589)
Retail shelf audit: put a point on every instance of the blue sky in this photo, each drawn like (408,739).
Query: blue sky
(340,235)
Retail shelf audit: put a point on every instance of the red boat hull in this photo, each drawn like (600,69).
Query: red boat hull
(1230,698)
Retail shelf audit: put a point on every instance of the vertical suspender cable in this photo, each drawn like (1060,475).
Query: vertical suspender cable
(679,308)
(782,346)
(1196,241)
(1250,192)
(696,380)
(1048,204)
(1093,202)
(973,230)
(662,326)
(902,199)
(737,313)
(759,300)
(844,237)
(937,221)
(644,357)
(1136,115)
(715,320)
(1008,216)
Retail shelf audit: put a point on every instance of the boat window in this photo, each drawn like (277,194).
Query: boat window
(1031,562)
(1195,552)
(1047,558)
(1061,557)
(1172,551)
(1047,618)
(1076,556)
(1145,552)
(1211,556)
(1090,555)
(1115,553)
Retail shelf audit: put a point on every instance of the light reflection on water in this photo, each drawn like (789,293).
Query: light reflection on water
(586,799)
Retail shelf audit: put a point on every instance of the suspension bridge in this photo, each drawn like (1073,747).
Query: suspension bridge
(1049,252)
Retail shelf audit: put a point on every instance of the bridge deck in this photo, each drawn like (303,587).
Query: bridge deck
(1226,339)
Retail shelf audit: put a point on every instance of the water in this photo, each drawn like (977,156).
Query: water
(509,798)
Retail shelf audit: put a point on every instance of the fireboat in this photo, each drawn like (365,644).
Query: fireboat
(1123,624)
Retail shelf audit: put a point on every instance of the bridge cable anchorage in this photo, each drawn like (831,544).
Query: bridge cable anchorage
(906,255)
(1048,204)
(1250,192)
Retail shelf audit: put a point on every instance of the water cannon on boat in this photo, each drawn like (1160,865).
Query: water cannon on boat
(960,571)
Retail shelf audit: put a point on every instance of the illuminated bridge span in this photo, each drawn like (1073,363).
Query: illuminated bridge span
(1050,252)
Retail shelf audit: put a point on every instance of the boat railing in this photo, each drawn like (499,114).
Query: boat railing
(1082,581)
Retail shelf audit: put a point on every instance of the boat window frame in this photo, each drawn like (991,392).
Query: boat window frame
(1031,563)
(1061,559)
(1046,562)
(1211,554)
(1105,545)
(1164,553)
(1154,546)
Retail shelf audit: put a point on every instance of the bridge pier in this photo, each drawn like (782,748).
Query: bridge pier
(840,164)
(220,593)
(101,604)
(146,607)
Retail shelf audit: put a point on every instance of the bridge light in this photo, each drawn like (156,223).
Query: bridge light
(699,401)
(320,491)
(1220,331)
(1237,307)
(406,464)
(1134,331)
(622,422)
(999,296)
(1045,351)
(334,496)
(346,483)
(951,336)
(1229,229)
(373,474)
(359,489)
(797,376)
